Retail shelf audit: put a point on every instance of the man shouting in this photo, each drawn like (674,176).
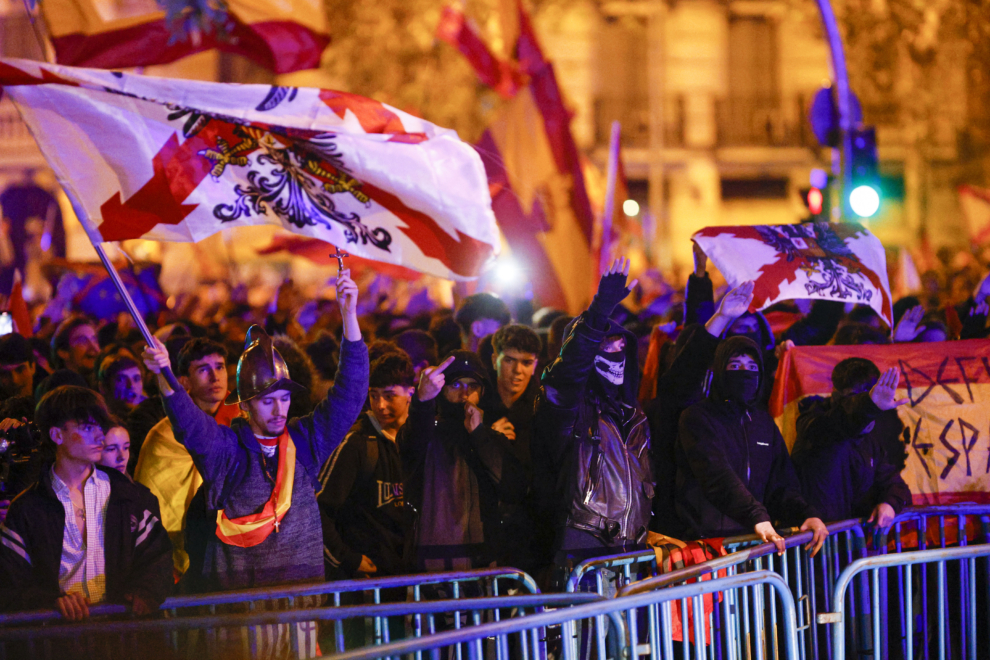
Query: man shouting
(261,474)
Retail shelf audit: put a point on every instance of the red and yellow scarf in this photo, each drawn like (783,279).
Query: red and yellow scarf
(249,531)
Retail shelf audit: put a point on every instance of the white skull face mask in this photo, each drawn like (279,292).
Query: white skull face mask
(611,367)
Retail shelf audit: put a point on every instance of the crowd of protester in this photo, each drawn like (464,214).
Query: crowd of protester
(455,439)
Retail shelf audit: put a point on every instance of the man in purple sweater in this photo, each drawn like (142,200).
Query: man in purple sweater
(261,474)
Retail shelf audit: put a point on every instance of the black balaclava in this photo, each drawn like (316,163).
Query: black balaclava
(742,387)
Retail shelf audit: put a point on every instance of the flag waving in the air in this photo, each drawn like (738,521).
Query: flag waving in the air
(175,160)
(283,36)
(825,261)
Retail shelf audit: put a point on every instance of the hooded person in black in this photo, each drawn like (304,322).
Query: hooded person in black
(734,475)
(679,387)
(459,472)
(844,442)
(591,443)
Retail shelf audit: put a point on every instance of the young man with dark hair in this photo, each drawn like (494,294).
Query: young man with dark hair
(121,382)
(74,346)
(480,315)
(17,366)
(164,465)
(842,451)
(82,534)
(420,347)
(515,353)
(364,518)
(459,473)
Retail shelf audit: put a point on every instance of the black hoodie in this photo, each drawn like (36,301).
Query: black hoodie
(733,469)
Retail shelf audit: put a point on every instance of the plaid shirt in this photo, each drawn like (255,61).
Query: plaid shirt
(83,566)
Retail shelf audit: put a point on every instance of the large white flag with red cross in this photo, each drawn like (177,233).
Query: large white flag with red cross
(177,160)
(820,260)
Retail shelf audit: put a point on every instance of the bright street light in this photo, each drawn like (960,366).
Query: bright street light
(864,201)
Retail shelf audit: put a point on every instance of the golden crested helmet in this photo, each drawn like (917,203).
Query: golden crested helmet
(261,369)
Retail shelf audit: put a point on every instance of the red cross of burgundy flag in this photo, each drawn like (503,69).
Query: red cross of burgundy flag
(283,35)
(820,260)
(176,160)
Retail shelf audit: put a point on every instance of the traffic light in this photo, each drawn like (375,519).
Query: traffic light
(818,198)
(864,191)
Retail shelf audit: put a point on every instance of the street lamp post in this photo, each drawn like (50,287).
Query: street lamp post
(843,99)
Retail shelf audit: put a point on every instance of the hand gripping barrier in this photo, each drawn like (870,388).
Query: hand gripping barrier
(660,643)
(966,557)
(808,580)
(144,638)
(446,585)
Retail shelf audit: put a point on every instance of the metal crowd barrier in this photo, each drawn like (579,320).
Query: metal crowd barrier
(452,585)
(921,518)
(968,599)
(661,646)
(151,638)
(808,579)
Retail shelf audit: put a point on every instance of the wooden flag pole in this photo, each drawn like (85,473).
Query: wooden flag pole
(613,174)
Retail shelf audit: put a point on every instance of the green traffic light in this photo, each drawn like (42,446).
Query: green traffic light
(864,201)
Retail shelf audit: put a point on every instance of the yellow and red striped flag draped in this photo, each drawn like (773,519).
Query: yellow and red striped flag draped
(249,531)
(535,173)
(283,36)
(946,421)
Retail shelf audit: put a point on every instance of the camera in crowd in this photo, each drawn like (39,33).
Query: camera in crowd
(19,448)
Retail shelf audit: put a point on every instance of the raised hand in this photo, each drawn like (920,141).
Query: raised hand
(734,304)
(983,290)
(886,388)
(472,416)
(700,260)
(612,288)
(347,293)
(431,380)
(155,356)
(907,328)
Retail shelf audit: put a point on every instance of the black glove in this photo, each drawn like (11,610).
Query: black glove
(611,291)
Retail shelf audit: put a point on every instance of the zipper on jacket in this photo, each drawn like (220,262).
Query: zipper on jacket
(746,443)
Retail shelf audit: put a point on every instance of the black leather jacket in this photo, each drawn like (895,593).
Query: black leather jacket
(591,458)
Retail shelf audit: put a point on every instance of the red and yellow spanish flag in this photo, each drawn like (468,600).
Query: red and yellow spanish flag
(249,531)
(945,422)
(283,36)
(535,171)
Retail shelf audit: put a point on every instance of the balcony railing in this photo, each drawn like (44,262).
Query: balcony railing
(764,121)
(634,114)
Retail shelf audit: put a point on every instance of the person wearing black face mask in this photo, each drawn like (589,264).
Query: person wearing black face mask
(681,386)
(844,445)
(734,475)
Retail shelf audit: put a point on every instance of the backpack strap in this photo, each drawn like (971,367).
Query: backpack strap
(371,459)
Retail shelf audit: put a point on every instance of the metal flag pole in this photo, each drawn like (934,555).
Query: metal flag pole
(125,295)
(605,256)
(94,236)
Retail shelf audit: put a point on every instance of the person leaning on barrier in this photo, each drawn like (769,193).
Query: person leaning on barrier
(734,475)
(843,446)
(261,474)
(83,533)
(591,442)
